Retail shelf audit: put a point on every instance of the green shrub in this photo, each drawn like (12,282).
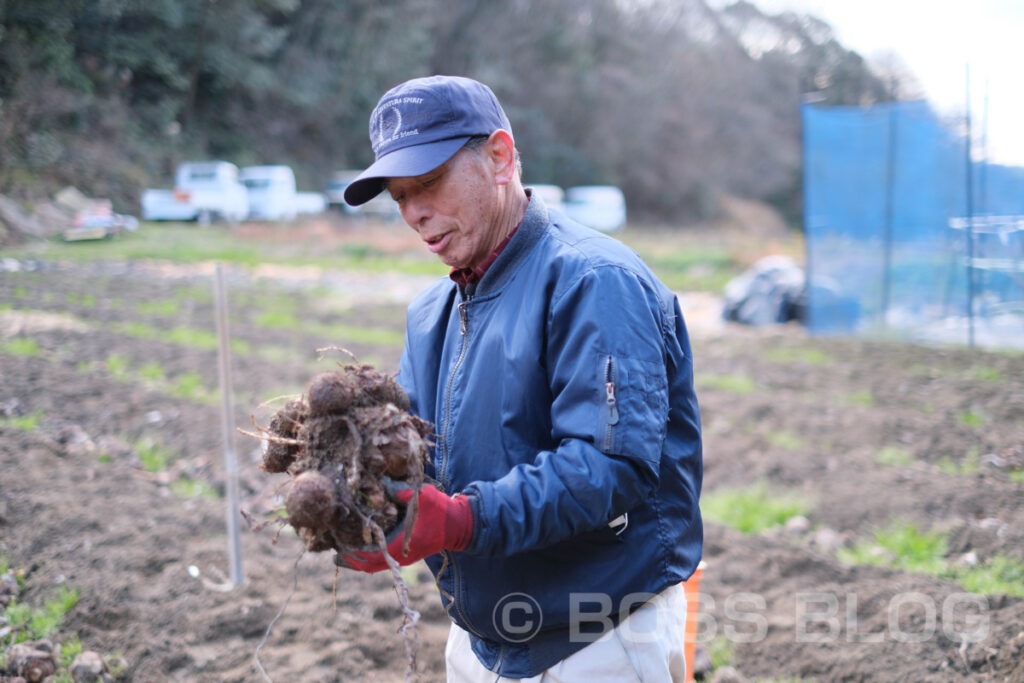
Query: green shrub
(168,307)
(28,623)
(278,320)
(1000,575)
(68,650)
(722,652)
(966,466)
(861,398)
(798,355)
(787,440)
(903,546)
(25,423)
(154,456)
(750,510)
(21,346)
(972,419)
(119,367)
(987,374)
(894,456)
(185,487)
(151,371)
(733,384)
(189,386)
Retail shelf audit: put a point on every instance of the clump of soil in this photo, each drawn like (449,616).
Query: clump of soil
(340,442)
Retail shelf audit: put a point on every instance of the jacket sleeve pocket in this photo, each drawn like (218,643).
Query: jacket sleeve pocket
(633,418)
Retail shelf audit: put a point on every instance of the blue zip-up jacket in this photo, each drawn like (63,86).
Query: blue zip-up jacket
(562,396)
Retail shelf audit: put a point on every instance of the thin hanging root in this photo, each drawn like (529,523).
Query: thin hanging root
(268,435)
(283,397)
(266,404)
(277,492)
(277,534)
(257,527)
(270,626)
(442,591)
(320,352)
(410,616)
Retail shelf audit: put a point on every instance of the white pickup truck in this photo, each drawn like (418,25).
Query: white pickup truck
(203,191)
(273,196)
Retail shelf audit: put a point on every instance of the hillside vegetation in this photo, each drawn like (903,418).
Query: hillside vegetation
(674,100)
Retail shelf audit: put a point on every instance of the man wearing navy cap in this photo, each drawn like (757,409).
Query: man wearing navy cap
(556,369)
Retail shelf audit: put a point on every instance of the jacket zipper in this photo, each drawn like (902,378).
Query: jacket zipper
(464,331)
(610,401)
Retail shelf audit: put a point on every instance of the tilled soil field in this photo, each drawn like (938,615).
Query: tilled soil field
(112,477)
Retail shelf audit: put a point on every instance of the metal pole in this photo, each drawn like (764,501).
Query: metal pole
(983,170)
(809,272)
(890,182)
(970,217)
(228,428)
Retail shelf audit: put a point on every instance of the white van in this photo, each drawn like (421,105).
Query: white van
(272,193)
(203,190)
(602,207)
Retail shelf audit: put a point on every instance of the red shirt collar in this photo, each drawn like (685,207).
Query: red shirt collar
(471,276)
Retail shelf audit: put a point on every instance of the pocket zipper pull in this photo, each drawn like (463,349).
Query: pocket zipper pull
(613,410)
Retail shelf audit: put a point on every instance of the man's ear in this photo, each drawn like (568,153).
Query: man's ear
(501,152)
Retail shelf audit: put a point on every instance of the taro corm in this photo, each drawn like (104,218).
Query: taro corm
(338,442)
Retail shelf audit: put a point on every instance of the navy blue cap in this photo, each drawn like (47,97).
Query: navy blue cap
(422,123)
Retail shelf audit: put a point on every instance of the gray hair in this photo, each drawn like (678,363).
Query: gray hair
(477,141)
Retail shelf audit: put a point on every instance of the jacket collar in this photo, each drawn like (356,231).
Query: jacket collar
(535,222)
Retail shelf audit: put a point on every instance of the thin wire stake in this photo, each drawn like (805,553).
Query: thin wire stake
(228,428)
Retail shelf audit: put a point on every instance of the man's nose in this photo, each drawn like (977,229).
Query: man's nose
(416,212)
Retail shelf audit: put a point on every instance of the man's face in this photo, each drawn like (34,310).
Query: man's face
(454,208)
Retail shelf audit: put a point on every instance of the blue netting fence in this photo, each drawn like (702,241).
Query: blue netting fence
(894,247)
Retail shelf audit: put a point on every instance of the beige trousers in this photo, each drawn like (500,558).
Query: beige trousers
(647,647)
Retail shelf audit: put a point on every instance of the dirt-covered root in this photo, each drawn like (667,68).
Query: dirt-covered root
(338,442)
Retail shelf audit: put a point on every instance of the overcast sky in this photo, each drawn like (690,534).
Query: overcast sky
(938,40)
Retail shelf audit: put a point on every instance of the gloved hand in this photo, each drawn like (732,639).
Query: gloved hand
(442,523)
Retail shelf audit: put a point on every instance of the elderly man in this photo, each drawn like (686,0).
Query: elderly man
(557,371)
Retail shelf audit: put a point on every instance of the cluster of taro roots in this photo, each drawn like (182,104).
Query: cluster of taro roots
(339,442)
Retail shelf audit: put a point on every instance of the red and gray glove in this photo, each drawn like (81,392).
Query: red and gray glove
(442,523)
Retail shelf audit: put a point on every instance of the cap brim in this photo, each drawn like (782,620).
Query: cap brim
(402,163)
